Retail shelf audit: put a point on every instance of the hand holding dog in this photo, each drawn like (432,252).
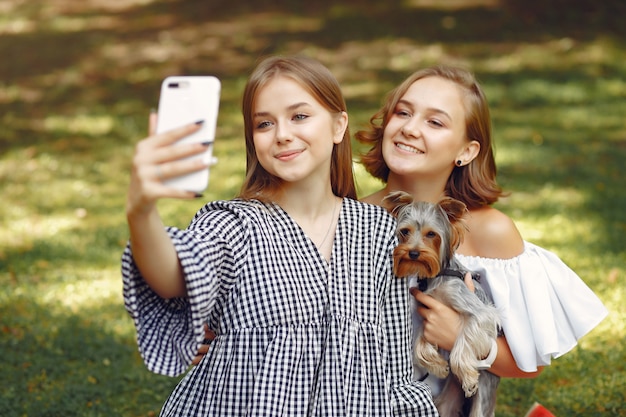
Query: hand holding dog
(441,323)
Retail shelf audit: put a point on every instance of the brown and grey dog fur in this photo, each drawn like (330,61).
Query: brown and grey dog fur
(428,236)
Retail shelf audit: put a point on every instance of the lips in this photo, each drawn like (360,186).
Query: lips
(407,148)
(288,155)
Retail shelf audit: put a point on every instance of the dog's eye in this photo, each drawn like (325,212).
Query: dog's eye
(431,234)
(403,233)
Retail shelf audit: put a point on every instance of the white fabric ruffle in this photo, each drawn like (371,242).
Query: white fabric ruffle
(545,306)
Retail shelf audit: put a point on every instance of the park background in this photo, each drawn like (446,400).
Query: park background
(78,78)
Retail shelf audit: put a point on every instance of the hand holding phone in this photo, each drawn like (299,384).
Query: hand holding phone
(185,100)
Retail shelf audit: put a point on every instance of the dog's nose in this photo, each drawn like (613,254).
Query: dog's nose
(414,254)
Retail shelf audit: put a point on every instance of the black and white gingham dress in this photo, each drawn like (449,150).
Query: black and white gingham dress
(296,336)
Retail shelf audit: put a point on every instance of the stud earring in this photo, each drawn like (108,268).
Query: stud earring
(459,163)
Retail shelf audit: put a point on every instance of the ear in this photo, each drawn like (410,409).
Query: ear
(341,124)
(469,152)
(396,200)
(455,210)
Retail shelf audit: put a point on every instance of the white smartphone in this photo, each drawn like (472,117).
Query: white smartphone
(184,100)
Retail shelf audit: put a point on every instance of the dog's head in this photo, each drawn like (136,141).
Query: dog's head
(428,233)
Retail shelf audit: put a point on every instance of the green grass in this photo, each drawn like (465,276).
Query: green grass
(77,80)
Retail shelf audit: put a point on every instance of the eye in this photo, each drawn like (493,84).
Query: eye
(300,117)
(431,235)
(435,123)
(402,113)
(263,125)
(403,234)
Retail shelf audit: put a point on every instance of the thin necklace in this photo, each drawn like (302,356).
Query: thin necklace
(330,225)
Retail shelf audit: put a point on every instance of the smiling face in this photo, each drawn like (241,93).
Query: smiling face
(293,133)
(425,135)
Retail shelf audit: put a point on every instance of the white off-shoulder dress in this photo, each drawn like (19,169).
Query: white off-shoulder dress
(545,307)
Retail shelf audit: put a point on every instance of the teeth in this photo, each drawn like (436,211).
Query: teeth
(408,148)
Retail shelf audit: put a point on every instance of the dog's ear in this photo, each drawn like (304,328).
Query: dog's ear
(455,210)
(396,200)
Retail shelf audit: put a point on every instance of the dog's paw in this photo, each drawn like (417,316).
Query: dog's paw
(425,352)
(470,386)
(467,375)
(439,368)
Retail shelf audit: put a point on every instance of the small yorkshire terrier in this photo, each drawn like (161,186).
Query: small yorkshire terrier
(428,236)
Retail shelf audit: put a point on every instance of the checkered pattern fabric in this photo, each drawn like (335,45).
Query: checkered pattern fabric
(296,335)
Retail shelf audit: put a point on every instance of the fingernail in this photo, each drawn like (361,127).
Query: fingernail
(199,122)
(152,110)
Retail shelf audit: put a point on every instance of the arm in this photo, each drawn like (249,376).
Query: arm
(170,331)
(155,255)
(505,365)
(442,325)
(154,160)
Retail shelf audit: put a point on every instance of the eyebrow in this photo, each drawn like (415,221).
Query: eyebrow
(430,109)
(290,108)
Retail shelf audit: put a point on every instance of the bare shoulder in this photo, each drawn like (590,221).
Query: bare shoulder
(491,234)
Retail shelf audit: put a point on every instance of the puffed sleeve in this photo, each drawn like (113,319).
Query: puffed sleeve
(169,331)
(545,306)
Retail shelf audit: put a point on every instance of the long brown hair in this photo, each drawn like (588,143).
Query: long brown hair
(474,184)
(321,84)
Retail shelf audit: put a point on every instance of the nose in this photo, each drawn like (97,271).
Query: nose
(414,254)
(411,129)
(283,133)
